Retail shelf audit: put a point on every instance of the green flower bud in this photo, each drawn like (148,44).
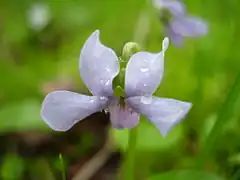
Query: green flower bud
(129,49)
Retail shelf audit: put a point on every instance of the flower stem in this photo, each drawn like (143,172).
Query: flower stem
(130,156)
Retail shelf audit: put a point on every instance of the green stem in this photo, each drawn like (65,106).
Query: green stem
(130,156)
(62,167)
(140,35)
(224,114)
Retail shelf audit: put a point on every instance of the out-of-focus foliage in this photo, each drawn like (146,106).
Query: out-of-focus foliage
(40,43)
(148,138)
(181,175)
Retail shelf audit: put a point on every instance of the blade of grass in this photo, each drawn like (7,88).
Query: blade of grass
(224,114)
(62,167)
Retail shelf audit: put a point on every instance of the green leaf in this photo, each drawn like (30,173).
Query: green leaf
(148,138)
(185,175)
(208,125)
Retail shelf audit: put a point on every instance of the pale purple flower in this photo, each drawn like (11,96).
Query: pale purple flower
(180,25)
(98,67)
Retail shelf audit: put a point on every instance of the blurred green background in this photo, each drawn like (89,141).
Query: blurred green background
(40,42)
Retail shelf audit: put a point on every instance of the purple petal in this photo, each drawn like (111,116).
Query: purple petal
(62,109)
(162,112)
(177,8)
(144,72)
(98,66)
(176,39)
(189,26)
(122,116)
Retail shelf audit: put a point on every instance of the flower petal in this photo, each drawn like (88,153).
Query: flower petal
(189,26)
(144,72)
(176,39)
(62,109)
(177,8)
(122,116)
(164,113)
(98,66)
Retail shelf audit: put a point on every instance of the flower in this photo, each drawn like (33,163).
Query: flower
(98,66)
(177,23)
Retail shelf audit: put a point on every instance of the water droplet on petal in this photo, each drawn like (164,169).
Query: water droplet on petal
(107,82)
(144,69)
(146,100)
(75,121)
(91,100)
(102,98)
(107,69)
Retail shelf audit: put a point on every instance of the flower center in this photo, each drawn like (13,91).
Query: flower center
(165,16)
(121,102)
(121,115)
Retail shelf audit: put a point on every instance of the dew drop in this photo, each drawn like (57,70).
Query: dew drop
(107,82)
(144,69)
(91,100)
(107,69)
(146,100)
(75,121)
(102,98)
